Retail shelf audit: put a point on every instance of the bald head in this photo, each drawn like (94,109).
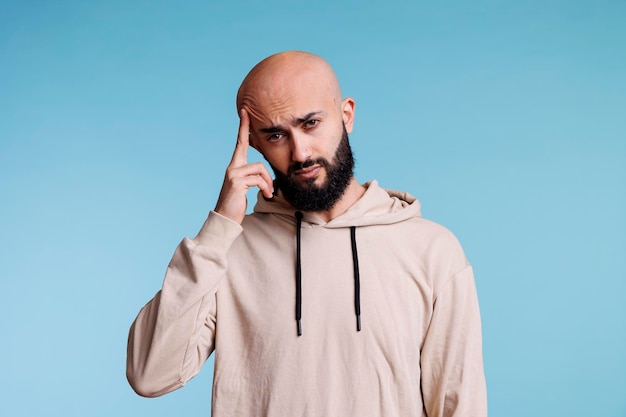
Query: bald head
(272,81)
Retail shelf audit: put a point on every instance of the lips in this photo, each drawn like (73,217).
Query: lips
(308,172)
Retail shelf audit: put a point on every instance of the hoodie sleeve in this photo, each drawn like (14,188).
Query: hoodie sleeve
(453,381)
(173,334)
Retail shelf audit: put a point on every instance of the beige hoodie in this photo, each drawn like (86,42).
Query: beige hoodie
(232,289)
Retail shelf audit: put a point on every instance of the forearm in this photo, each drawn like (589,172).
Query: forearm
(173,334)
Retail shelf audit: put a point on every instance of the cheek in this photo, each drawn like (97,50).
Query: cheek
(276,157)
(331,145)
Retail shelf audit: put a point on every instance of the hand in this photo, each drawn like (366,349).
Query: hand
(240,176)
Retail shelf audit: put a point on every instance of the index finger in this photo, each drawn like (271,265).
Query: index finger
(240,156)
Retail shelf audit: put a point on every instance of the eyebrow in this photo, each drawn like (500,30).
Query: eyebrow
(296,122)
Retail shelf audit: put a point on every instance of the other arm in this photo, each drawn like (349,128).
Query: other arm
(453,379)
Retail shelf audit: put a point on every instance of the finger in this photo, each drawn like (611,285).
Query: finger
(267,186)
(258,181)
(259,170)
(240,155)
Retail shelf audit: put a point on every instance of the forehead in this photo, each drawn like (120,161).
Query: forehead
(288,103)
(280,93)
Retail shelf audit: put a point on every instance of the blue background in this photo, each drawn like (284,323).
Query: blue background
(507,119)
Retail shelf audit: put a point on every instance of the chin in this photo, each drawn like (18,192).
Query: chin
(318,182)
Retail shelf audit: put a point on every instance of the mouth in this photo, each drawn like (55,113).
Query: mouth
(308,172)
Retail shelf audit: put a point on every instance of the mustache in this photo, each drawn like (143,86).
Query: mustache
(296,166)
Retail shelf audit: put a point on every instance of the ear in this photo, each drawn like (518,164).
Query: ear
(347,113)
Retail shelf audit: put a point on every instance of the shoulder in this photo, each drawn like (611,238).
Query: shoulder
(438,248)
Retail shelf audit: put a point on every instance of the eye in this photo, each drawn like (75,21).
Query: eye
(309,124)
(274,137)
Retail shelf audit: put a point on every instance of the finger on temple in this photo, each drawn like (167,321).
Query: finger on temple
(241,149)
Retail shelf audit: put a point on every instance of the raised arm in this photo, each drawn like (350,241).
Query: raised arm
(174,333)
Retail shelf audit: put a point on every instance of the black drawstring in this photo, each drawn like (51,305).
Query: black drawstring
(357,280)
(298,274)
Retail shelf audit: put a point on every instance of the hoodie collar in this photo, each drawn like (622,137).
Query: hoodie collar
(377,206)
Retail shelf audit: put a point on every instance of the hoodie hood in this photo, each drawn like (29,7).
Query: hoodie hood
(377,206)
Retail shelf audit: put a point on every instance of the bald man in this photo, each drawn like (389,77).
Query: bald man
(333,298)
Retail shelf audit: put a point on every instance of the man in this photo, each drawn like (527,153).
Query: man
(333,298)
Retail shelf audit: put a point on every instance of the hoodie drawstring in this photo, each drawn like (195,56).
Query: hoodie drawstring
(357,280)
(298,274)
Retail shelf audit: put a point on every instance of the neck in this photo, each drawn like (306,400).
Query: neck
(352,194)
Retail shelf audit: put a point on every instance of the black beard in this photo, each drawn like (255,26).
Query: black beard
(311,197)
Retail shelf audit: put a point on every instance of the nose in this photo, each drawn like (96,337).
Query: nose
(300,148)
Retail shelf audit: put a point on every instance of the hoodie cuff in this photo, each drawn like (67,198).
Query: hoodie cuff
(218,230)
